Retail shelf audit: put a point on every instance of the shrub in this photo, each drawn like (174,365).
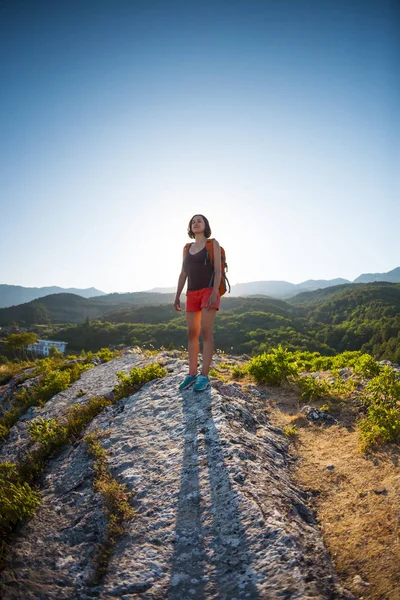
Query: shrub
(382,397)
(273,368)
(47,365)
(346,359)
(382,424)
(54,353)
(80,415)
(340,387)
(105,354)
(138,376)
(321,363)
(49,432)
(52,384)
(312,388)
(239,372)
(75,370)
(10,417)
(367,366)
(17,499)
(383,389)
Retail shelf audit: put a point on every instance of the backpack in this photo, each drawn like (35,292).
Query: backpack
(223,286)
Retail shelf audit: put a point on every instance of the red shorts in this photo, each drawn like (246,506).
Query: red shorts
(197,299)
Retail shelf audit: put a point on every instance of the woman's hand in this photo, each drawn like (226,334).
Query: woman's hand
(212,300)
(177,304)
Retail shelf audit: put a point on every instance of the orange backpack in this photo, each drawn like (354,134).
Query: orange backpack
(223,286)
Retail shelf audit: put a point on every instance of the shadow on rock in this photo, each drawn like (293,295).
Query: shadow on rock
(230,559)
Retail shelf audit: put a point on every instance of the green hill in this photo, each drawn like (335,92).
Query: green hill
(356,316)
(55,308)
(71,308)
(346,317)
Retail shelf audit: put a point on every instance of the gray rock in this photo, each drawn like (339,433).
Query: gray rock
(315,415)
(217,515)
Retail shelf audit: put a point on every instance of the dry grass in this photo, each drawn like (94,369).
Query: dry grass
(356,501)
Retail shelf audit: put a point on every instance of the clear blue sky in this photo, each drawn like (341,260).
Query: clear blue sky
(119,120)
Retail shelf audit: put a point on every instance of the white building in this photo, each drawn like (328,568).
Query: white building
(43,346)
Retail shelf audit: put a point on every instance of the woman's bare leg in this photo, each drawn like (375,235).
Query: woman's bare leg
(207,333)
(193,322)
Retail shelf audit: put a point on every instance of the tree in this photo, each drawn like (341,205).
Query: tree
(19,341)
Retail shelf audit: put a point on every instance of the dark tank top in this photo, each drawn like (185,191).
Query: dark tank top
(199,270)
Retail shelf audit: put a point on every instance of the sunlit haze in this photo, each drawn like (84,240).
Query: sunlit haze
(121,119)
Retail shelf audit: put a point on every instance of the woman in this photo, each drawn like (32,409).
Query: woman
(202,299)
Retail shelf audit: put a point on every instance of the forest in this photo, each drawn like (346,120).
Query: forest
(362,317)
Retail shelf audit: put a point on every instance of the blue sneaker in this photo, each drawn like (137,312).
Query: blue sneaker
(187,382)
(202,383)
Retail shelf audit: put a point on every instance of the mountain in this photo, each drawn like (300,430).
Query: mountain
(315,284)
(281,289)
(286,290)
(276,289)
(392,276)
(136,298)
(72,308)
(163,290)
(55,308)
(341,301)
(12,295)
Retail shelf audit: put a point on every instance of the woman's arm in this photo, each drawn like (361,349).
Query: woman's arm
(181,284)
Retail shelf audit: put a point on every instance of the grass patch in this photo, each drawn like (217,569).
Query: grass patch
(217,374)
(116,501)
(290,431)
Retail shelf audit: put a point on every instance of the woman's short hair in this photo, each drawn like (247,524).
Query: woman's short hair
(207,230)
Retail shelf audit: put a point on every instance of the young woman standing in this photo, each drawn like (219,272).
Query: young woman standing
(202,299)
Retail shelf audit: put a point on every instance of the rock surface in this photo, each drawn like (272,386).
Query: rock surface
(217,516)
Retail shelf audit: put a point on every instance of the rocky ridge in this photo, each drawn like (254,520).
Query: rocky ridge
(217,515)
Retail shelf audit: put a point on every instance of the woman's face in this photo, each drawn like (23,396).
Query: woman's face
(198,224)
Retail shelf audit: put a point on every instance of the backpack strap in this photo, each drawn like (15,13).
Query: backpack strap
(186,248)
(210,249)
